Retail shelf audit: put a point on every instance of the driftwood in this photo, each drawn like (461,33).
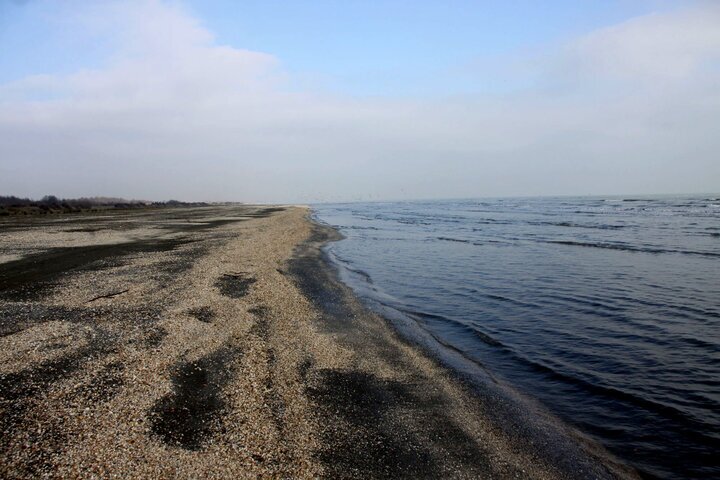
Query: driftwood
(109,295)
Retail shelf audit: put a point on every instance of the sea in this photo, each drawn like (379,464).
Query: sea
(606,310)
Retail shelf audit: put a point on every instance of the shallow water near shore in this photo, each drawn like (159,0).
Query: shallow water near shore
(607,310)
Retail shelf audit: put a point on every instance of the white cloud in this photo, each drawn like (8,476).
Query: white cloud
(676,45)
(174,114)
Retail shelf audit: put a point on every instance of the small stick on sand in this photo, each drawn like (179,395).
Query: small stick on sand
(109,295)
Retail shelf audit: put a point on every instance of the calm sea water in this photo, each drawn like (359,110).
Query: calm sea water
(607,310)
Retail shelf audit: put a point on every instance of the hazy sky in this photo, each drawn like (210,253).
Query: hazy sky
(280,101)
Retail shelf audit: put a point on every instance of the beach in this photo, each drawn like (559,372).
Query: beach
(218,342)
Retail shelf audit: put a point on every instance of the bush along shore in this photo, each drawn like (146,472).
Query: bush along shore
(50,204)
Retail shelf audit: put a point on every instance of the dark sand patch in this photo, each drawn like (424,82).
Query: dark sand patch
(357,440)
(262,329)
(389,429)
(204,314)
(260,311)
(235,285)
(30,277)
(190,414)
(16,317)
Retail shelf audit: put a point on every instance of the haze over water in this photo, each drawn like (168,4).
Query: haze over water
(607,310)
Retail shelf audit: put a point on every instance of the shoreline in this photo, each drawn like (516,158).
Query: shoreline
(219,342)
(527,423)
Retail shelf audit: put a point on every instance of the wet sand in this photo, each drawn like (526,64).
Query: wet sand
(217,342)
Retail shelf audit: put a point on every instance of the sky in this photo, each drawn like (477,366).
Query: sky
(269,101)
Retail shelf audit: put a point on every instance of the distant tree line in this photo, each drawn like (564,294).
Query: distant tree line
(12,205)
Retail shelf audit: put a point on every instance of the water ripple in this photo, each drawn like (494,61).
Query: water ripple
(607,310)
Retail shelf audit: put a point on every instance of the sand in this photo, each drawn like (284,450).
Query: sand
(215,342)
